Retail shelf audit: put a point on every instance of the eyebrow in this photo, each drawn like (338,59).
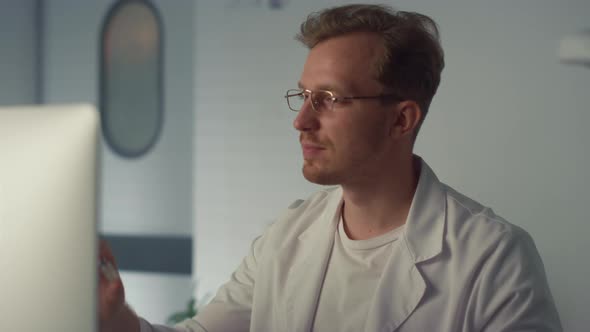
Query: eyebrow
(330,88)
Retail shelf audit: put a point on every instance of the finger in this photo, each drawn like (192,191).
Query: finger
(107,265)
(109,271)
(106,254)
(105,250)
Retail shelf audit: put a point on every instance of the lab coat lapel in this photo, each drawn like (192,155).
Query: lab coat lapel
(308,274)
(402,286)
(398,293)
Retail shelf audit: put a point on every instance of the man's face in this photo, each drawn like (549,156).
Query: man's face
(349,143)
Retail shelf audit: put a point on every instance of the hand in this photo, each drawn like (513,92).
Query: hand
(114,314)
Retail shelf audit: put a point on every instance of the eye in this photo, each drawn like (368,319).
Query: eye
(324,96)
(323,99)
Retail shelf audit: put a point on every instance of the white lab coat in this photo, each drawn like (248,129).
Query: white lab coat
(459,267)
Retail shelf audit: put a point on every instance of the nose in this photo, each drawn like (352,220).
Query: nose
(306,119)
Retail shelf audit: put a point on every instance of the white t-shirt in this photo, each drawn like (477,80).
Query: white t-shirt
(352,274)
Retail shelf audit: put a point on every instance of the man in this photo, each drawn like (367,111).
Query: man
(390,248)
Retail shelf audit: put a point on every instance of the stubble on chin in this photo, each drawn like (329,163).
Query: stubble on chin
(317,175)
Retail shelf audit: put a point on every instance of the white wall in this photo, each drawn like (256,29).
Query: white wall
(18,57)
(151,195)
(506,128)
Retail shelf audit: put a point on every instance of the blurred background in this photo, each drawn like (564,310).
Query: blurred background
(199,154)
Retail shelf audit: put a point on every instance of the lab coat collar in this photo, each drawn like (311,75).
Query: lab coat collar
(426,219)
(425,222)
(309,272)
(401,287)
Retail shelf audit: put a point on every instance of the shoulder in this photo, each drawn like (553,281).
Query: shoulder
(473,224)
(304,214)
(317,201)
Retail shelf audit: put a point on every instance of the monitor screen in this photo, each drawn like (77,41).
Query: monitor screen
(48,245)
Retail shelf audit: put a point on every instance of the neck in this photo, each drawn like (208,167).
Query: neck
(381,202)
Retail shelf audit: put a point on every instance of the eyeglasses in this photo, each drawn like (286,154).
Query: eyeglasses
(323,100)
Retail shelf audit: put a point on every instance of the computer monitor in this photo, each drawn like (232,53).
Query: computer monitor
(48,245)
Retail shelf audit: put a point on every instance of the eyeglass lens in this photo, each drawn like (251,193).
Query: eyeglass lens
(295,99)
(321,100)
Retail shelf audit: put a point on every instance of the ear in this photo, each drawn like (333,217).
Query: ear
(408,117)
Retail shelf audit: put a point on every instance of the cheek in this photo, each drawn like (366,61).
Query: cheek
(370,124)
(359,137)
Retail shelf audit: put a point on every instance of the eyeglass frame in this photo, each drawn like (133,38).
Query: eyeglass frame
(333,98)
